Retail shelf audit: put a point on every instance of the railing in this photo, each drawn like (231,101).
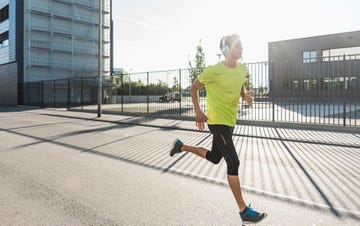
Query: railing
(314,93)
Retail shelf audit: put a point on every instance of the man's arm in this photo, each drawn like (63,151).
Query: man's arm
(195,87)
(246,95)
(242,93)
(200,116)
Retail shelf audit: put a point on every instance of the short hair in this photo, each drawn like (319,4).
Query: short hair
(229,39)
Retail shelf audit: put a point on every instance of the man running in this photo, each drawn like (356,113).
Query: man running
(224,83)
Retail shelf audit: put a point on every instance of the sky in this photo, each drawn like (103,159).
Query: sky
(152,35)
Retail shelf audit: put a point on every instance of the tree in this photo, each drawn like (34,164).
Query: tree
(199,63)
(176,87)
(248,84)
(116,82)
(260,90)
(139,83)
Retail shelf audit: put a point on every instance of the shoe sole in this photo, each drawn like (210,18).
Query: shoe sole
(172,151)
(254,223)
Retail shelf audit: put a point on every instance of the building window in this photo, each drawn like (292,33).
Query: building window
(4,39)
(338,83)
(306,85)
(309,57)
(295,85)
(313,84)
(4,13)
(350,83)
(350,53)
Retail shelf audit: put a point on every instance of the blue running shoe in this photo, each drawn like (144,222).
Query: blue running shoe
(251,216)
(176,148)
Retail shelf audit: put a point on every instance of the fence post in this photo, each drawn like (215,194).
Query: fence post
(273,109)
(42,93)
(122,92)
(82,93)
(54,104)
(272,84)
(344,90)
(344,112)
(28,93)
(147,92)
(344,102)
(69,95)
(180,92)
(38,86)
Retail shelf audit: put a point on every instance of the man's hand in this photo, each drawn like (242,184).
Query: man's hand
(200,119)
(248,98)
(246,95)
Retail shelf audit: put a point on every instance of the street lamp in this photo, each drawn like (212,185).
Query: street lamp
(100,60)
(130,84)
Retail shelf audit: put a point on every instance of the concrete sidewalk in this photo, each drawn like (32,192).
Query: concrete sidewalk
(311,168)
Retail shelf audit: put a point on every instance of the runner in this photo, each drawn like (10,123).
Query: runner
(224,84)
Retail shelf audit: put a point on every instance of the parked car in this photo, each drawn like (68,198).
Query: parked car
(170,97)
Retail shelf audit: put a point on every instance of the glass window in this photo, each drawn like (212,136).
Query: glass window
(4,13)
(313,54)
(5,43)
(295,85)
(351,84)
(4,36)
(306,85)
(313,84)
(327,83)
(306,55)
(309,56)
(349,53)
(326,53)
(4,39)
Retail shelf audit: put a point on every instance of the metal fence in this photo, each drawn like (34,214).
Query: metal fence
(316,93)
(61,93)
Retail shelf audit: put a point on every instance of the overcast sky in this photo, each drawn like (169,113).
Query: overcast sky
(163,34)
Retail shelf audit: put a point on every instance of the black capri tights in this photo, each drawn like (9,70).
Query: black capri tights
(223,146)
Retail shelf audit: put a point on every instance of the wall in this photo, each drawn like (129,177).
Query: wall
(8,84)
(62,39)
(8,64)
(286,63)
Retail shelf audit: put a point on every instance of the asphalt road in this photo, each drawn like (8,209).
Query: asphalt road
(49,175)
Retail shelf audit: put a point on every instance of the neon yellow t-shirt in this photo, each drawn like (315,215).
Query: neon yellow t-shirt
(223,86)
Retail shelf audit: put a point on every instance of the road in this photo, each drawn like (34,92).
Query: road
(53,172)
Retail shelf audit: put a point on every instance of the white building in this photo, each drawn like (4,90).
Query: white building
(50,39)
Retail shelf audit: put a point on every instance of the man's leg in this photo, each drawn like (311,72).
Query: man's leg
(234,183)
(223,146)
(223,139)
(200,151)
(213,156)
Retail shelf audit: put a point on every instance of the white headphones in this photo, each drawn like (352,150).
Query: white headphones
(224,48)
